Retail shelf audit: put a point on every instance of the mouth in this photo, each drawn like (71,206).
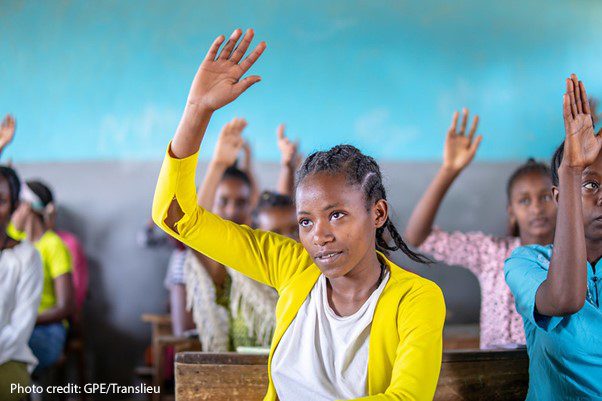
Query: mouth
(539,221)
(328,257)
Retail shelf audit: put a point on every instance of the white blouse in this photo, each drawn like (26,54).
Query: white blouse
(323,356)
(21,280)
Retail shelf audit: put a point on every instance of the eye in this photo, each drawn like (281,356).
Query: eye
(591,185)
(336,215)
(304,222)
(524,201)
(546,198)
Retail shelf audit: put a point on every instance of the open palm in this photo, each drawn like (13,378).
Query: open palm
(7,130)
(230,142)
(581,145)
(218,79)
(459,148)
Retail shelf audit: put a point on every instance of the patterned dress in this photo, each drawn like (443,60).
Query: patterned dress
(484,256)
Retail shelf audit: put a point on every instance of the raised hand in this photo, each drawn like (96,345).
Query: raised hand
(459,148)
(288,149)
(218,79)
(581,144)
(229,142)
(7,130)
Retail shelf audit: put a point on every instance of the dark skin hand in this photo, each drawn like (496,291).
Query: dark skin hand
(460,148)
(217,82)
(579,206)
(289,161)
(339,233)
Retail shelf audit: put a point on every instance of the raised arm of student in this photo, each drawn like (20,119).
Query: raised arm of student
(227,149)
(265,257)
(458,152)
(7,131)
(289,159)
(563,291)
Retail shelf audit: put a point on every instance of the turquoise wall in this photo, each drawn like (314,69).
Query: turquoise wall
(92,80)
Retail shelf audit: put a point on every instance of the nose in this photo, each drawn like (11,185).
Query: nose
(537,206)
(230,211)
(322,233)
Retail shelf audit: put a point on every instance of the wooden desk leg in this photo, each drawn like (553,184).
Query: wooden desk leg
(158,359)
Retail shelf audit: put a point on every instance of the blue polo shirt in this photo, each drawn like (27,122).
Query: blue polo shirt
(565,353)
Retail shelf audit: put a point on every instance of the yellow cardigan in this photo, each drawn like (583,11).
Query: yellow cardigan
(405,348)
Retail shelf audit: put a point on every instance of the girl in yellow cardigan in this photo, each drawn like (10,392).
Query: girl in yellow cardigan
(350,324)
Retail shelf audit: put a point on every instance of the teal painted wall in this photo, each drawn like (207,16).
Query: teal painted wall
(91,80)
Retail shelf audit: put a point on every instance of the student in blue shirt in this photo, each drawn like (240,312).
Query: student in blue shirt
(557,288)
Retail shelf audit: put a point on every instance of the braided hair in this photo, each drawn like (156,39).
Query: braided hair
(233,172)
(14,185)
(271,199)
(363,171)
(529,167)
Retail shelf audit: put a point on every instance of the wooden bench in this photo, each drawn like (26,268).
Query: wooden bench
(465,375)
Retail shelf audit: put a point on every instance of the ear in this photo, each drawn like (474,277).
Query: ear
(380,211)
(555,194)
(511,215)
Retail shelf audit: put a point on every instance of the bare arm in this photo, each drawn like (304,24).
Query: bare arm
(563,291)
(248,168)
(65,301)
(181,319)
(458,152)
(229,144)
(289,159)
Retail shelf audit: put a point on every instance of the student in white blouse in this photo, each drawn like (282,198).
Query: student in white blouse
(21,280)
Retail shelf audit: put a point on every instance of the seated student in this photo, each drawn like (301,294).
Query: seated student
(276,213)
(376,329)
(57,304)
(557,287)
(531,214)
(21,281)
(229,309)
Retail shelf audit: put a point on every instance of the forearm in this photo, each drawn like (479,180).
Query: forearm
(422,218)
(53,315)
(181,319)
(286,180)
(564,290)
(206,193)
(190,131)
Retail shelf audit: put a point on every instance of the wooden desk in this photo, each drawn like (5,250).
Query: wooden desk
(465,375)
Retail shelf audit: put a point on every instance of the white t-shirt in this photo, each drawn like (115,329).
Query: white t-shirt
(21,280)
(323,356)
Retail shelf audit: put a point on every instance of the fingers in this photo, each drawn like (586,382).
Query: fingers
(227,50)
(473,128)
(577,91)
(210,56)
(280,132)
(241,49)
(566,107)
(244,84)
(464,121)
(584,101)
(475,145)
(571,92)
(252,58)
(452,127)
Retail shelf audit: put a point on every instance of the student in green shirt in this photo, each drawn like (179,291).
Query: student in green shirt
(57,303)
